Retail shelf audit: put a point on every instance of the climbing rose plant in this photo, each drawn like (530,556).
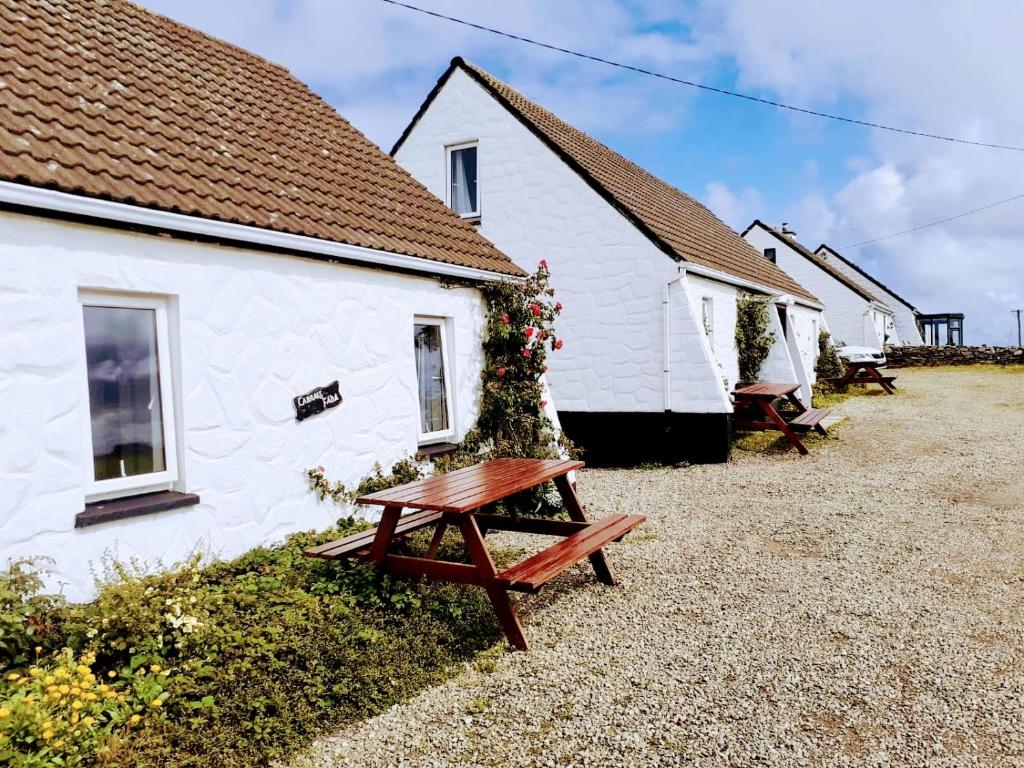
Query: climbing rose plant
(828,365)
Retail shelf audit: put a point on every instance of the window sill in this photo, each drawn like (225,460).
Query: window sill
(471,218)
(133,506)
(434,450)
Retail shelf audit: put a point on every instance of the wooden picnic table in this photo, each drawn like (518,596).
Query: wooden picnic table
(865,373)
(466,499)
(755,410)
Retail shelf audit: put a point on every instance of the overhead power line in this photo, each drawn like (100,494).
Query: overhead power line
(935,223)
(701,86)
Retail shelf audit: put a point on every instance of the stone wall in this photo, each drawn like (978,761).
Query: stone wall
(903,357)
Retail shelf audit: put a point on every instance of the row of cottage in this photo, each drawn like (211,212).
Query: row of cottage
(190,239)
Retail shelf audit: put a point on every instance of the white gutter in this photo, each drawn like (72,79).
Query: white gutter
(666,326)
(723,277)
(51,200)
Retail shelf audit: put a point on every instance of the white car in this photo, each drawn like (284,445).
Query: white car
(853,354)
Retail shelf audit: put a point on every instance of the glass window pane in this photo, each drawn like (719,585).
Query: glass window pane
(124,391)
(430,373)
(463,172)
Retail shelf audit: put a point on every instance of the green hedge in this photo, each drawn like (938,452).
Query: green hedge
(255,656)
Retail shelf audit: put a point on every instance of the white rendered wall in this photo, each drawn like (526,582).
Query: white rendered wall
(255,329)
(849,314)
(906,331)
(609,277)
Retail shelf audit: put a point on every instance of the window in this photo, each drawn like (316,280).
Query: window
(707,306)
(463,194)
(769,253)
(128,373)
(433,378)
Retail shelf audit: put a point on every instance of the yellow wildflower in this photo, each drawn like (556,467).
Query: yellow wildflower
(61,673)
(39,649)
(134,719)
(14,677)
(111,673)
(4,712)
(88,720)
(155,668)
(82,669)
(47,734)
(49,679)
(58,744)
(156,703)
(65,688)
(76,705)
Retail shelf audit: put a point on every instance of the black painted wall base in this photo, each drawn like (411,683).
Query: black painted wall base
(628,439)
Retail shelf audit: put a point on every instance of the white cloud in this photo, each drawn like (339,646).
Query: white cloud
(948,67)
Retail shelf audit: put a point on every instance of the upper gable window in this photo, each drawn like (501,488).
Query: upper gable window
(769,253)
(463,192)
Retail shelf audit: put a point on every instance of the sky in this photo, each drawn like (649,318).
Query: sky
(945,67)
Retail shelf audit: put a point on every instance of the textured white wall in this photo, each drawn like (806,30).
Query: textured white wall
(608,275)
(904,320)
(256,329)
(849,314)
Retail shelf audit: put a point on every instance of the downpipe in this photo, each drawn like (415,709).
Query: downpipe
(666,329)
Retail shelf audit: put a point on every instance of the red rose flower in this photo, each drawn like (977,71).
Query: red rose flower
(558,306)
(544,263)
(543,403)
(321,469)
(558,344)
(501,372)
(535,308)
(527,352)
(529,331)
(545,369)
(504,318)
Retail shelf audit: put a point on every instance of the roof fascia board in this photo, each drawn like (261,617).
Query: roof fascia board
(723,277)
(48,200)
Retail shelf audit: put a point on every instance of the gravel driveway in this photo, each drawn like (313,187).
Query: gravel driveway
(860,606)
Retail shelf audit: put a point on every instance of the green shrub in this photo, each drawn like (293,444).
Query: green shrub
(253,657)
(59,711)
(24,612)
(828,365)
(753,339)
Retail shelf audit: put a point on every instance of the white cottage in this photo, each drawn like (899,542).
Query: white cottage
(649,276)
(905,314)
(854,315)
(195,251)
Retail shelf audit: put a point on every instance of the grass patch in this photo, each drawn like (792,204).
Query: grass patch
(257,656)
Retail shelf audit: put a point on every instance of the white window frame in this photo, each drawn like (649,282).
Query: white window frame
(441,435)
(707,317)
(448,150)
(154,481)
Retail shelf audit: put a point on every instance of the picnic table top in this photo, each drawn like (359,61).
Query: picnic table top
(468,489)
(766,390)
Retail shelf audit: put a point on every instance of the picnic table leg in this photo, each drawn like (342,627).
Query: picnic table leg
(385,532)
(435,541)
(877,377)
(502,603)
(780,422)
(602,569)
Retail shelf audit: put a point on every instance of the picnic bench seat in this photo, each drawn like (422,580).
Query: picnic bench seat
(465,500)
(809,419)
(358,544)
(534,572)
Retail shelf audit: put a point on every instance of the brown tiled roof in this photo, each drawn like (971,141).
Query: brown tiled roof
(818,261)
(109,100)
(673,220)
(874,281)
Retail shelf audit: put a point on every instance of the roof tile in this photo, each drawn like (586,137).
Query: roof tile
(109,100)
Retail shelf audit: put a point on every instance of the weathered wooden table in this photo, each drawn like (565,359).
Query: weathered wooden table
(755,410)
(865,373)
(465,499)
